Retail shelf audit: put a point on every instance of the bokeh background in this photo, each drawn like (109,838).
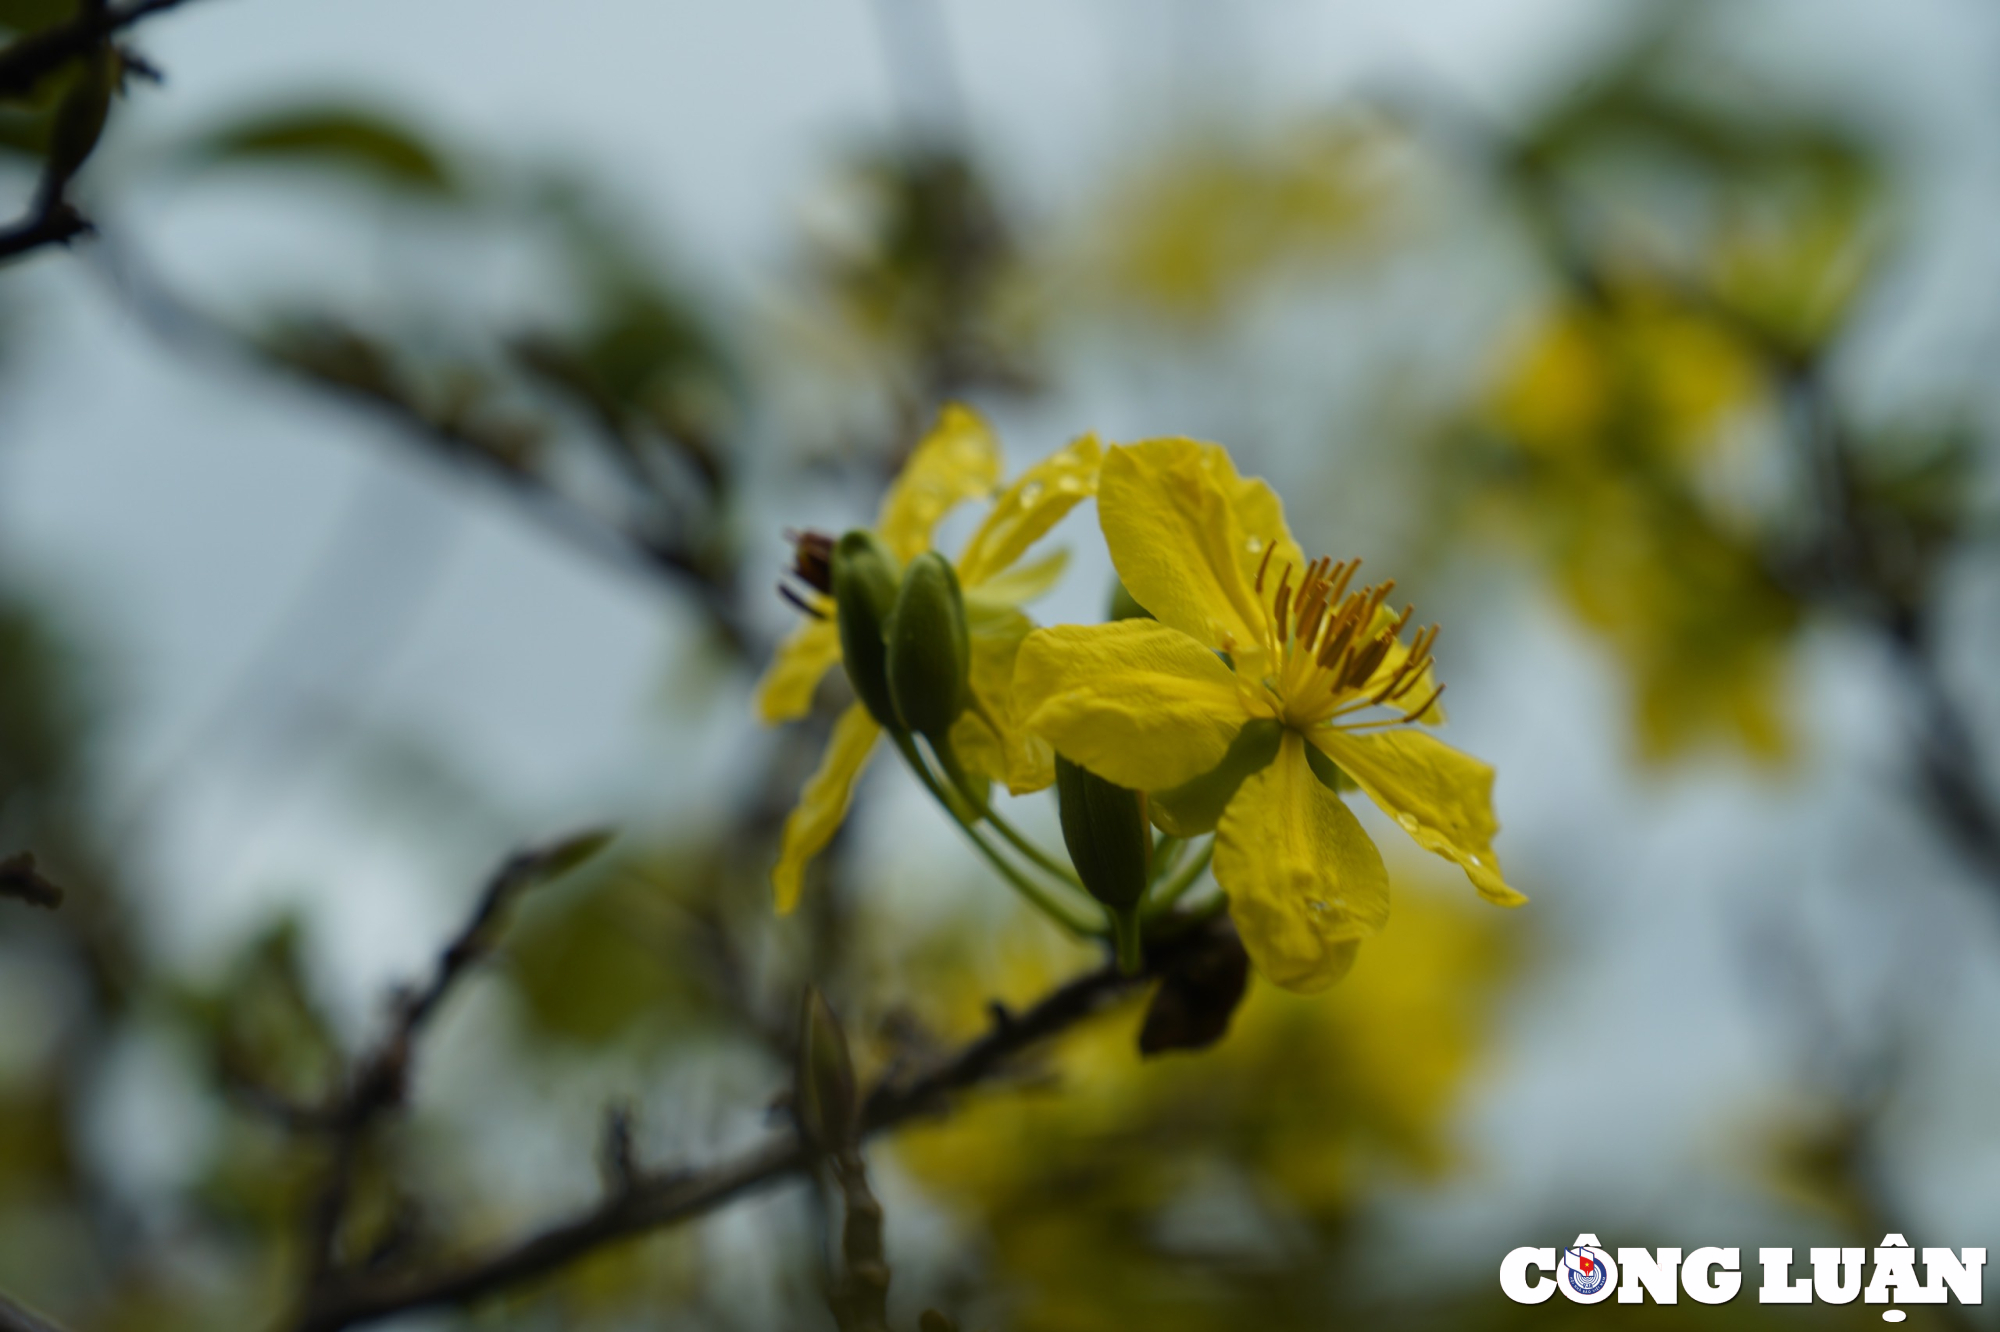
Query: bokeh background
(400,477)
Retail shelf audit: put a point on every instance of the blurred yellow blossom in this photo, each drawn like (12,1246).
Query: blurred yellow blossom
(1258,668)
(1618,415)
(1186,237)
(958,460)
(1082,1192)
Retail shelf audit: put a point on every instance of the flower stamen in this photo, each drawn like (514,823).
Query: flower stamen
(799,603)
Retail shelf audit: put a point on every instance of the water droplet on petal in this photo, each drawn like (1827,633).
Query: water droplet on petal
(1030,494)
(1409,822)
(1317,907)
(1254,545)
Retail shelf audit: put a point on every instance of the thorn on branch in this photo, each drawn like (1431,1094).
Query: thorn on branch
(27,60)
(616,1164)
(139,67)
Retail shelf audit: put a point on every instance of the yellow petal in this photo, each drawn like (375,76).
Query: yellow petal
(958,460)
(1443,799)
(1023,515)
(1134,701)
(1305,884)
(823,803)
(1261,515)
(1169,508)
(1022,583)
(786,691)
(989,738)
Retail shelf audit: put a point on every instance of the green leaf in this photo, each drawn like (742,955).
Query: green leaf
(361,142)
(555,861)
(25,16)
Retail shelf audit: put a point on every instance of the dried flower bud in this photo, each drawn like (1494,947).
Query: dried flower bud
(930,652)
(864,594)
(812,560)
(1198,995)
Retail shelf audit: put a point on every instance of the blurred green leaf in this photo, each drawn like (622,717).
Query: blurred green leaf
(594,963)
(365,143)
(555,861)
(40,723)
(267,1028)
(18,16)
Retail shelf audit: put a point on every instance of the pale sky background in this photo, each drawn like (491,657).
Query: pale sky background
(178,512)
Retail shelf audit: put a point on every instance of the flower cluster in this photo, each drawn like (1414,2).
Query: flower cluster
(1217,723)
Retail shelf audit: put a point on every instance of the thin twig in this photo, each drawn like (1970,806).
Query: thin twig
(1948,760)
(53,220)
(470,446)
(381,1078)
(1863,580)
(653,1203)
(28,60)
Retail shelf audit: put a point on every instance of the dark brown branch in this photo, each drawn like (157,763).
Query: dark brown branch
(657,1201)
(340,364)
(611,542)
(462,443)
(52,221)
(381,1078)
(1860,577)
(34,57)
(1948,760)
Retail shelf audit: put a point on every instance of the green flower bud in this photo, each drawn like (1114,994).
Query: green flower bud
(864,594)
(1111,844)
(930,652)
(827,1104)
(1195,807)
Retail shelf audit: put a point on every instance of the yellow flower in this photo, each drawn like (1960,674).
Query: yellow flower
(1623,472)
(1306,1109)
(957,461)
(1275,665)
